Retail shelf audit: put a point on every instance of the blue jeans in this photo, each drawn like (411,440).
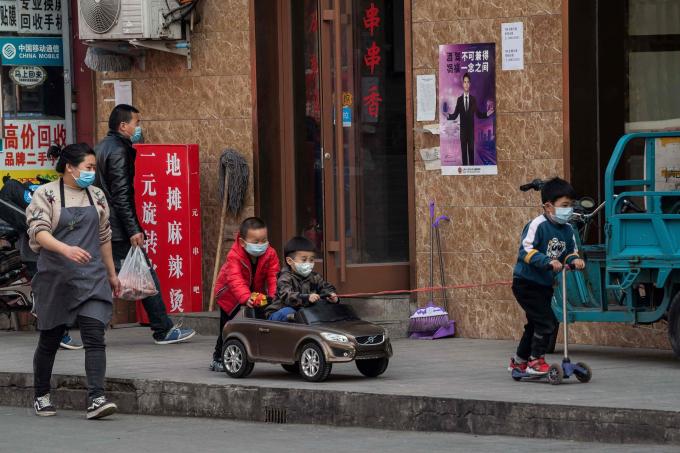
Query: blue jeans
(154,306)
(282,314)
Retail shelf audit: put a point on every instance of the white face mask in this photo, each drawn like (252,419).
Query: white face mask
(303,269)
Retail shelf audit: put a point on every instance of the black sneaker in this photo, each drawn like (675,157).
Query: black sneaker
(43,406)
(217,365)
(100,408)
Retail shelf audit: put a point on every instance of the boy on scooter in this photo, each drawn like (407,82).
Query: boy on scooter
(547,243)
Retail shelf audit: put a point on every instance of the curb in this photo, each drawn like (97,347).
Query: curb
(354,409)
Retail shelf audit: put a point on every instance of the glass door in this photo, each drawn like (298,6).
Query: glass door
(351,191)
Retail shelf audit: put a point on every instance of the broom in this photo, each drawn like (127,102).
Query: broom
(431,317)
(233,180)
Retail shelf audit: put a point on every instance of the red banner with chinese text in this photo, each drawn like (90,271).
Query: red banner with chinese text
(167,195)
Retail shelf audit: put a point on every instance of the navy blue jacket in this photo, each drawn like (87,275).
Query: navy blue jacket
(542,242)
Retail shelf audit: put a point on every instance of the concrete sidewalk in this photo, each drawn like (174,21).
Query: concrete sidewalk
(446,385)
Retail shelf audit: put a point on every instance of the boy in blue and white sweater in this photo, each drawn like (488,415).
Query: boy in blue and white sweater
(547,243)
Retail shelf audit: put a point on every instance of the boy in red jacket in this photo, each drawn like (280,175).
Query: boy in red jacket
(251,268)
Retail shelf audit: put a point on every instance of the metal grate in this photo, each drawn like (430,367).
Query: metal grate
(371,339)
(275,415)
(100,15)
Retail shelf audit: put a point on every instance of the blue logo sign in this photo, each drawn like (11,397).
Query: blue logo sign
(31,51)
(347,116)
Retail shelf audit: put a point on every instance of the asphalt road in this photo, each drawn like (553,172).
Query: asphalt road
(22,431)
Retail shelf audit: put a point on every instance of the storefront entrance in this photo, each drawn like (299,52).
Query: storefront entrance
(332,135)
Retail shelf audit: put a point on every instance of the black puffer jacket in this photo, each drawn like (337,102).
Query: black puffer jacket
(293,290)
(116,176)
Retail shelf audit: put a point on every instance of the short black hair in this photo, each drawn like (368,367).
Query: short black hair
(467,76)
(298,244)
(251,223)
(122,113)
(555,189)
(71,154)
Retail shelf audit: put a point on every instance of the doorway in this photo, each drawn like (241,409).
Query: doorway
(332,135)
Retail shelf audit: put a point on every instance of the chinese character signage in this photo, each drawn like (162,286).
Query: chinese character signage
(24,148)
(8,15)
(467,102)
(372,69)
(167,195)
(39,17)
(31,51)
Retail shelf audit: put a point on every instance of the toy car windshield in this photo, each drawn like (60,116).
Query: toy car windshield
(325,312)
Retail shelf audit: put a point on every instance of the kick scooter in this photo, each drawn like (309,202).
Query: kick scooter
(557,373)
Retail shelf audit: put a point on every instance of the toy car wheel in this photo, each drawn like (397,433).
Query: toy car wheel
(555,374)
(292,369)
(235,359)
(313,366)
(372,367)
(583,377)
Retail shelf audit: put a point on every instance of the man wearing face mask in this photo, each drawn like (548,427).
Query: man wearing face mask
(548,242)
(297,285)
(115,176)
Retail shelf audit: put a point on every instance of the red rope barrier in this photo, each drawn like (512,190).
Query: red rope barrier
(425,290)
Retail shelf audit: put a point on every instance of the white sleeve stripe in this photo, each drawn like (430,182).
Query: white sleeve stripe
(528,242)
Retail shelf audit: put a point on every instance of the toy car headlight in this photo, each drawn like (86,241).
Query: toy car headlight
(335,337)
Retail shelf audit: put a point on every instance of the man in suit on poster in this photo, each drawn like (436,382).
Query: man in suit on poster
(466,107)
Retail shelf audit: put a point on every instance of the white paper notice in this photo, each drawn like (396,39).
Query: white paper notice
(431,158)
(427,97)
(122,90)
(513,46)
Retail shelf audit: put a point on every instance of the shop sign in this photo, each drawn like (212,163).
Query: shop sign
(8,15)
(40,17)
(42,51)
(25,144)
(28,76)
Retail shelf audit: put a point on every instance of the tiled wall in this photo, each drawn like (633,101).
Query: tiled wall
(489,212)
(209,104)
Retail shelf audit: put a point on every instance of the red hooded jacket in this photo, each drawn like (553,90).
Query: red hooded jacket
(235,277)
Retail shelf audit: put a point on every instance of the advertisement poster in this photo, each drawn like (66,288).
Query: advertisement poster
(24,148)
(167,196)
(467,102)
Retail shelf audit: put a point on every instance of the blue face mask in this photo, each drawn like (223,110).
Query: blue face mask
(85,179)
(256,249)
(137,136)
(562,215)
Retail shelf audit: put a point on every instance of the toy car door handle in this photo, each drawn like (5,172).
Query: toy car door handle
(263,330)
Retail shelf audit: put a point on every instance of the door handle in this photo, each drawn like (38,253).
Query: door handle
(263,330)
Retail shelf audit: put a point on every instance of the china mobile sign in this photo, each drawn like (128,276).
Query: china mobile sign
(167,195)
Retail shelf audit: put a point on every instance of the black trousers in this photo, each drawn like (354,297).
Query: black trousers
(159,321)
(92,333)
(541,322)
(467,146)
(224,318)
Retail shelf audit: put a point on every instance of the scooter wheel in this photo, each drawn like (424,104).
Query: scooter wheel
(555,375)
(583,377)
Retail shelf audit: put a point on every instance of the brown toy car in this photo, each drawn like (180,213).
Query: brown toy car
(320,335)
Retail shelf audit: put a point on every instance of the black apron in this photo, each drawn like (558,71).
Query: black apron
(64,289)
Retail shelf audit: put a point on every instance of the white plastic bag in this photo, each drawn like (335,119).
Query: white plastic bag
(136,282)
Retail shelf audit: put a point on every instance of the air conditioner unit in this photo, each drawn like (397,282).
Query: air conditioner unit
(126,20)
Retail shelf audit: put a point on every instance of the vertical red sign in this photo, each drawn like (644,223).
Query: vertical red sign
(167,194)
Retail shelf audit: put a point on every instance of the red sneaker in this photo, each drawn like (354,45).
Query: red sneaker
(514,365)
(538,366)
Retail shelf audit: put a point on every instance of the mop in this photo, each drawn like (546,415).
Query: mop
(432,322)
(233,182)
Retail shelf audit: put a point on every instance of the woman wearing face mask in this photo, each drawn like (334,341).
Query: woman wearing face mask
(69,228)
